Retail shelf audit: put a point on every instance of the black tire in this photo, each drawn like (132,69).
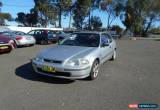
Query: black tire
(94,70)
(32,45)
(43,42)
(16,46)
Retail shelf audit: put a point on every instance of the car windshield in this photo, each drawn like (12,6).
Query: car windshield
(5,33)
(82,39)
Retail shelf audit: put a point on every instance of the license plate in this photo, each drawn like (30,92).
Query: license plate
(48,69)
(4,47)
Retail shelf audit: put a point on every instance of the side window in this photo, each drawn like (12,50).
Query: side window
(50,34)
(31,33)
(7,34)
(37,32)
(104,39)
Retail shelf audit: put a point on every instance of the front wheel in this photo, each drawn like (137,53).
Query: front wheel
(94,70)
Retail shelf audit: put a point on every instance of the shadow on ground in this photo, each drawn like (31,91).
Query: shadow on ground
(25,71)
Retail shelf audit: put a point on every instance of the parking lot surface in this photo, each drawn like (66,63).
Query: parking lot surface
(134,77)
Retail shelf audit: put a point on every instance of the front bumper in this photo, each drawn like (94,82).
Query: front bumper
(7,48)
(61,70)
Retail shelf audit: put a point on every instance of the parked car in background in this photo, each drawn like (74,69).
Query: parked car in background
(69,32)
(62,35)
(6,44)
(20,39)
(44,36)
(114,34)
(77,56)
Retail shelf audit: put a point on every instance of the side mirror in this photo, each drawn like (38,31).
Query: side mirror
(104,44)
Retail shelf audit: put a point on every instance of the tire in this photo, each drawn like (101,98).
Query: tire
(16,46)
(114,55)
(43,42)
(60,39)
(94,70)
(32,45)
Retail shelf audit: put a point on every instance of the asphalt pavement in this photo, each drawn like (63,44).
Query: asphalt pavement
(133,78)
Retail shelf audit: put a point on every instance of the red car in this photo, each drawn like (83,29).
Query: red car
(6,44)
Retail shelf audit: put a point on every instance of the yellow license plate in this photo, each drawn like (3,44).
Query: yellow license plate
(4,47)
(48,69)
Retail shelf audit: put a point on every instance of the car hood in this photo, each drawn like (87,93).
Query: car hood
(62,52)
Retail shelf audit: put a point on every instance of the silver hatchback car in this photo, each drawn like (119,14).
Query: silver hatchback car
(76,57)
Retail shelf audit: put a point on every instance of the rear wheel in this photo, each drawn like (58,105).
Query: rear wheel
(94,71)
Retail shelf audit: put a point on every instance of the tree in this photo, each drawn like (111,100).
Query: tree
(92,6)
(29,19)
(140,14)
(4,16)
(1,6)
(62,6)
(21,18)
(32,18)
(113,8)
(81,9)
(50,9)
(95,23)
(70,13)
(46,11)
(117,28)
(152,14)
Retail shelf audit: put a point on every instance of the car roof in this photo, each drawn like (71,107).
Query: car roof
(42,30)
(18,31)
(90,32)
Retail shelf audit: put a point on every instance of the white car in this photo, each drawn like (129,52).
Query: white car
(20,38)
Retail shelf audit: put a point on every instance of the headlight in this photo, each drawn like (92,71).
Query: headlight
(38,59)
(11,41)
(78,62)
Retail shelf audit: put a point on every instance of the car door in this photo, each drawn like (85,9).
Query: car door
(38,35)
(105,49)
(111,43)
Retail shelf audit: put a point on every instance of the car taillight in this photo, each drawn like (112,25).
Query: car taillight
(18,38)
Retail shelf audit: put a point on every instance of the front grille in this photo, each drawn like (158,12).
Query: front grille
(67,74)
(52,61)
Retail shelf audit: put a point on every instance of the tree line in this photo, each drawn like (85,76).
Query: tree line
(138,16)
(4,16)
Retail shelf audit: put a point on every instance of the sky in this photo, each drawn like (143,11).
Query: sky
(15,6)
